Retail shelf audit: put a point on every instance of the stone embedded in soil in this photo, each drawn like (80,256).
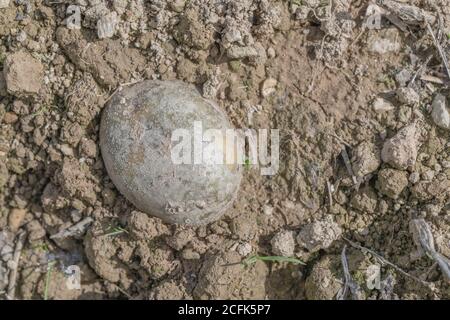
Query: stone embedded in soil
(88,148)
(401,150)
(180,239)
(407,96)
(177,5)
(168,290)
(237,52)
(440,112)
(426,191)
(74,180)
(403,77)
(222,277)
(365,200)
(51,199)
(72,133)
(192,33)
(135,140)
(6,252)
(35,230)
(283,243)
(319,234)
(4,4)
(366,158)
(268,87)
(120,6)
(381,105)
(428,175)
(244,227)
(244,249)
(392,182)
(108,60)
(23,74)
(16,218)
(84,99)
(102,256)
(10,118)
(190,254)
(142,226)
(414,177)
(324,282)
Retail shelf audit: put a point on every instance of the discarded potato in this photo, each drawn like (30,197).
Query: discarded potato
(136,141)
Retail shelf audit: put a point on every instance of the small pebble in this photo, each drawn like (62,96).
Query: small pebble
(283,243)
(268,210)
(440,112)
(381,105)
(428,175)
(271,53)
(408,96)
(414,177)
(22,36)
(319,234)
(15,219)
(401,150)
(403,77)
(10,118)
(268,87)
(244,249)
(446,164)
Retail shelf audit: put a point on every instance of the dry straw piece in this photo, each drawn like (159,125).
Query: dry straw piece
(424,239)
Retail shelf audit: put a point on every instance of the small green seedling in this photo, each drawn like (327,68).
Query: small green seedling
(41,110)
(252,259)
(113,231)
(247,163)
(42,246)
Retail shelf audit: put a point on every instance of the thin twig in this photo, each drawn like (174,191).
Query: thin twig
(123,291)
(423,237)
(120,87)
(77,228)
(348,165)
(433,79)
(349,283)
(420,71)
(330,193)
(15,267)
(440,50)
(386,262)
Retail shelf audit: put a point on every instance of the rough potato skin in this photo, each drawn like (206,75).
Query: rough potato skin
(135,140)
